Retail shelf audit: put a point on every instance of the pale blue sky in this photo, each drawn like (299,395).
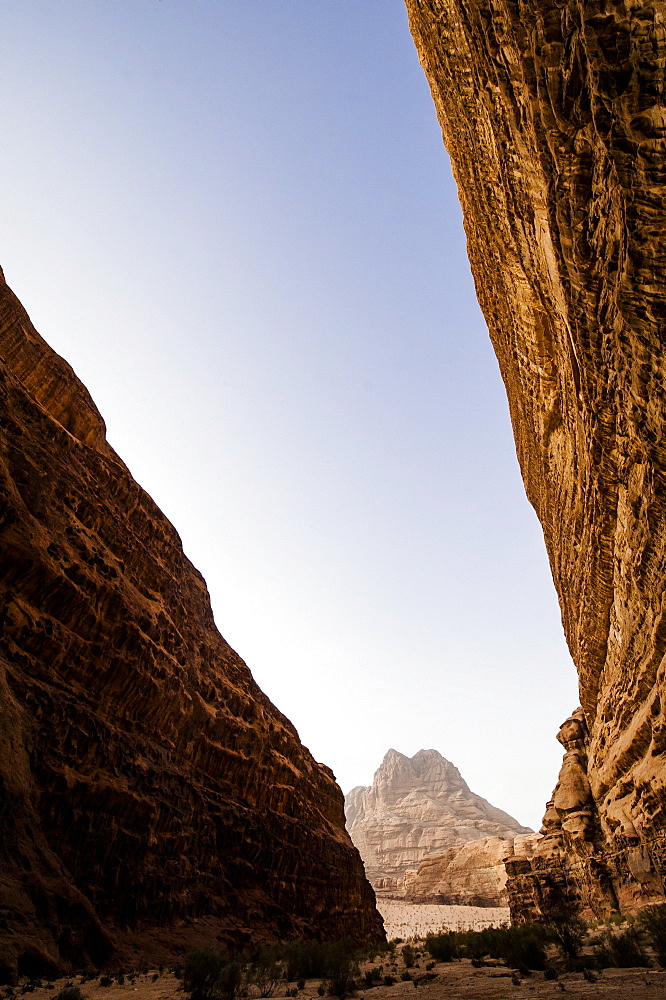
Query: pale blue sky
(236,220)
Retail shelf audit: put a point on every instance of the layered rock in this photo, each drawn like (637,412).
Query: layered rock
(418,807)
(151,796)
(472,875)
(554,115)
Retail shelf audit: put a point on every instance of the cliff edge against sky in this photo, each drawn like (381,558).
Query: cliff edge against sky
(554,116)
(151,796)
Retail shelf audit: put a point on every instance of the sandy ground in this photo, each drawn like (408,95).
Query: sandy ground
(406,920)
(453,981)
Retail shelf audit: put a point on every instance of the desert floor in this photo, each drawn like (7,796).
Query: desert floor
(454,981)
(406,920)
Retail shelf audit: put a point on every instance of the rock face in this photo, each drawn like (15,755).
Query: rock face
(472,875)
(150,795)
(554,115)
(418,807)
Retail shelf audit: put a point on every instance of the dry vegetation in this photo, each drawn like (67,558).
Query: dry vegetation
(539,961)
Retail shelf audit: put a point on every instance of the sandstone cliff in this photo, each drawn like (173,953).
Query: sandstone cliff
(150,795)
(472,875)
(418,807)
(554,115)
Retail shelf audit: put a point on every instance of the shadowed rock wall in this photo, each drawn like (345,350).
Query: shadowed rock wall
(151,796)
(554,116)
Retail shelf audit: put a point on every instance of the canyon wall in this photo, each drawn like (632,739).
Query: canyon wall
(554,116)
(151,796)
(421,807)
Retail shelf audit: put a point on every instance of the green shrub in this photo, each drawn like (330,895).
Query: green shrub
(334,961)
(342,968)
(408,956)
(653,922)
(622,950)
(372,977)
(265,971)
(520,946)
(209,974)
(307,960)
(444,947)
(69,993)
(568,932)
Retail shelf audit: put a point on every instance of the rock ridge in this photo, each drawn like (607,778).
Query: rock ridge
(151,796)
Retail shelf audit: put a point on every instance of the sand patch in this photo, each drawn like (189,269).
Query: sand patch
(408,920)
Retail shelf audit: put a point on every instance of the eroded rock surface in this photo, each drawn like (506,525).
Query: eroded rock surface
(554,115)
(419,807)
(151,796)
(472,875)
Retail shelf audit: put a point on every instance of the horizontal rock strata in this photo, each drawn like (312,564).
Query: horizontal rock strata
(554,115)
(151,796)
(418,807)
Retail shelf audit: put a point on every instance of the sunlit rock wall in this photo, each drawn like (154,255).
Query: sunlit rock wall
(421,807)
(151,797)
(554,116)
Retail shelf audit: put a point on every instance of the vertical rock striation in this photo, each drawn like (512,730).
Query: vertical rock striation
(554,115)
(151,796)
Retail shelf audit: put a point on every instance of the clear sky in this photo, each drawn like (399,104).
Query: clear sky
(236,220)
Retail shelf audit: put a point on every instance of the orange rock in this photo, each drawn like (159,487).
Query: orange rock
(553,114)
(151,796)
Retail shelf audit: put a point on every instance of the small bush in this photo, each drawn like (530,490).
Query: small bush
(106,981)
(406,976)
(300,985)
(549,973)
(342,969)
(265,971)
(622,950)
(444,947)
(568,932)
(371,977)
(208,974)
(69,993)
(523,945)
(389,980)
(653,922)
(408,956)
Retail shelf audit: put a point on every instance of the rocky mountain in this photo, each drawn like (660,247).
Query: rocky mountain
(554,116)
(418,807)
(151,796)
